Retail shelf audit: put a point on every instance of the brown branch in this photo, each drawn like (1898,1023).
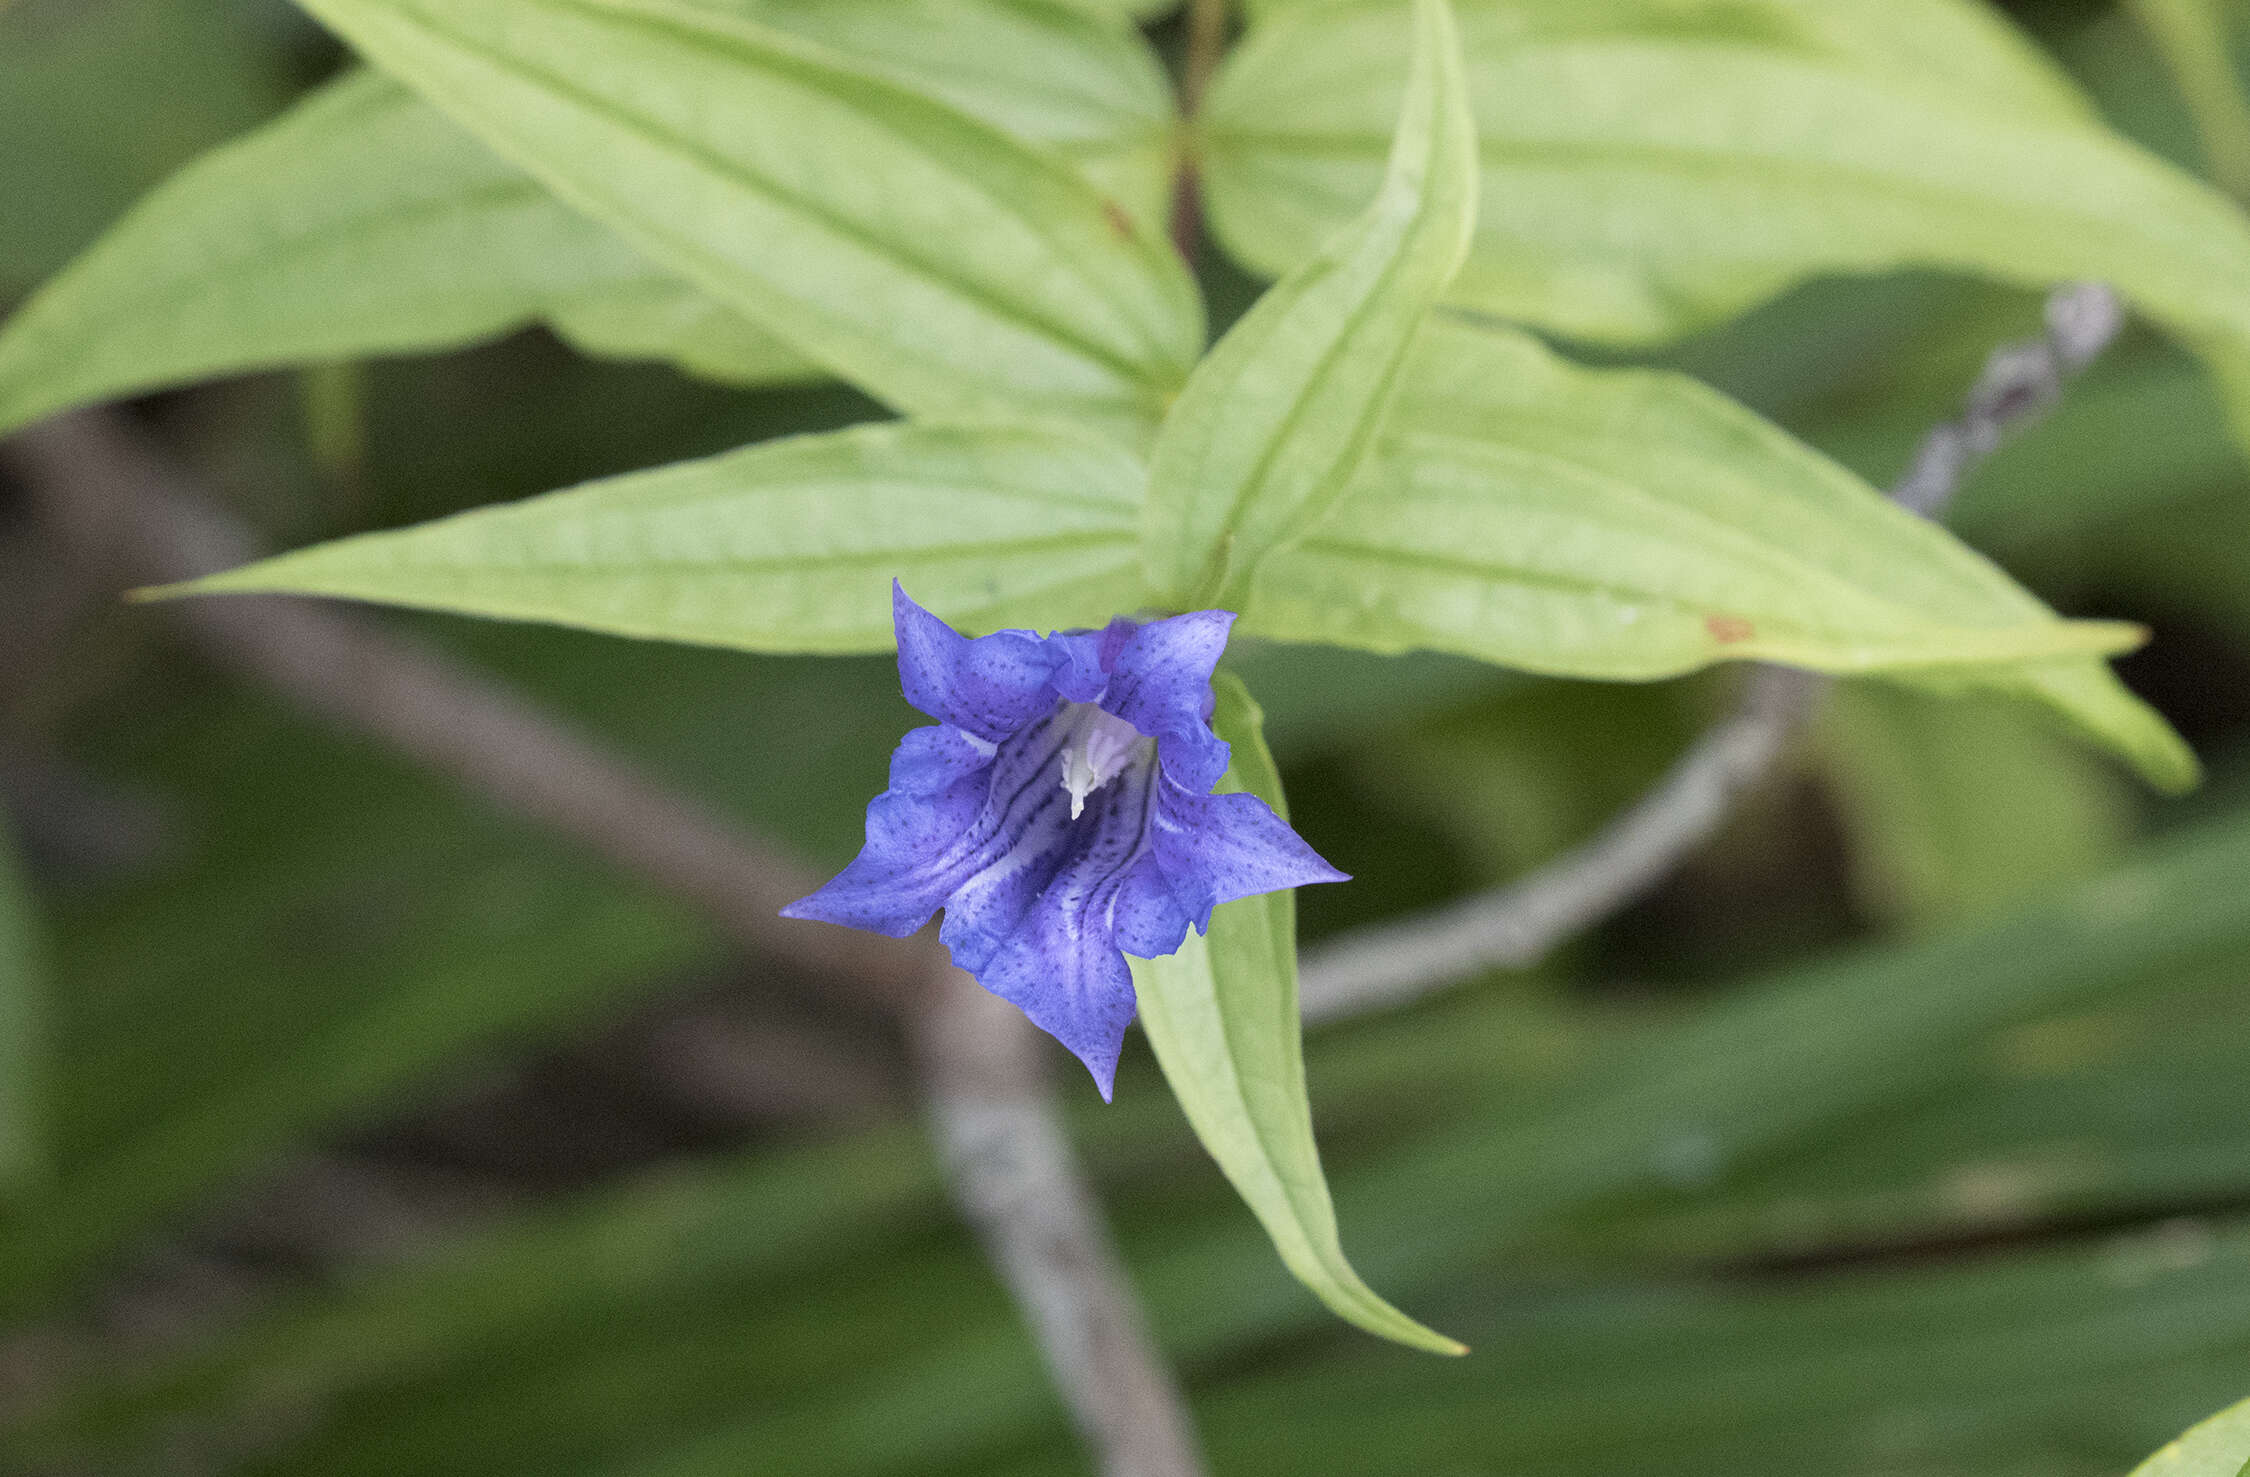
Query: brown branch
(1016,1180)
(118,505)
(1515,926)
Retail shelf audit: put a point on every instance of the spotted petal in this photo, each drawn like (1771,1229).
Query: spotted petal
(992,687)
(1161,684)
(1062,963)
(929,836)
(1055,839)
(1216,848)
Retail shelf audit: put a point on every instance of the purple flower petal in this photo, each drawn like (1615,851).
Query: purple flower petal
(1062,964)
(1088,657)
(1161,684)
(1148,918)
(1073,984)
(1056,839)
(923,847)
(991,687)
(1216,848)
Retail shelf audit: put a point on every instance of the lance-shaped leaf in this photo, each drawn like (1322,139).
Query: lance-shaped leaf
(1274,422)
(1222,1017)
(1651,166)
(788,546)
(929,257)
(1631,525)
(360,223)
(364,222)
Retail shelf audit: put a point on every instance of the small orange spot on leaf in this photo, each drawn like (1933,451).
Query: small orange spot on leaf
(1118,220)
(1728,629)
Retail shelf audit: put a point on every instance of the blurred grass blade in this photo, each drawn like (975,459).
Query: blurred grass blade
(1802,1053)
(926,256)
(1275,421)
(786,546)
(1222,1017)
(1777,1069)
(1651,169)
(2033,1362)
(2095,1114)
(23,986)
(360,223)
(1629,525)
(564,1276)
(347,934)
(2219,1447)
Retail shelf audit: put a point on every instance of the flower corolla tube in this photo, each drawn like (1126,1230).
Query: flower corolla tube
(1060,813)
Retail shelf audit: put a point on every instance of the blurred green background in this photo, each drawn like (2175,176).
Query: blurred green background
(347,1128)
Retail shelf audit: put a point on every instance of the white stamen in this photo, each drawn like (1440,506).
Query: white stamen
(1099,748)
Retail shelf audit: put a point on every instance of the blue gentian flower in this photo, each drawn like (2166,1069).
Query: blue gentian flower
(1061,814)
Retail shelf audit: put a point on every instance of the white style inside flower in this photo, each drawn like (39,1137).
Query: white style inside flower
(1100,746)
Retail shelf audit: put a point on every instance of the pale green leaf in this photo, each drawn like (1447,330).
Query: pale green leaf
(21,1044)
(1963,47)
(1221,1015)
(1650,167)
(2219,1447)
(1278,417)
(364,222)
(787,546)
(360,223)
(927,256)
(1060,76)
(1630,525)
(1124,11)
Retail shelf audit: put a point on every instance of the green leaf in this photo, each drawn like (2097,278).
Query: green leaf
(364,222)
(1653,166)
(923,254)
(1630,525)
(2192,36)
(1069,78)
(787,546)
(1957,809)
(22,984)
(1278,417)
(2218,1447)
(1222,1017)
(360,223)
(1124,11)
